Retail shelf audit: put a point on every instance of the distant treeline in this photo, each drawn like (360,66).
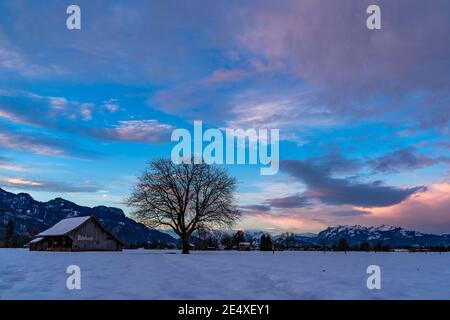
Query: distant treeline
(266,243)
(9,239)
(204,240)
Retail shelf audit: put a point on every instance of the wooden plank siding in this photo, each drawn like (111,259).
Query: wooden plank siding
(91,237)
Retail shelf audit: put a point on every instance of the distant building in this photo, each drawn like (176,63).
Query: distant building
(76,234)
(244,246)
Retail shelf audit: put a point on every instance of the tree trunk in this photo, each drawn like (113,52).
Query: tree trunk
(185,244)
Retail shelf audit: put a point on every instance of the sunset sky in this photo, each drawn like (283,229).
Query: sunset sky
(363,114)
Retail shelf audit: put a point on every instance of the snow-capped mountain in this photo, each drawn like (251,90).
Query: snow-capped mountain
(355,235)
(393,236)
(31,217)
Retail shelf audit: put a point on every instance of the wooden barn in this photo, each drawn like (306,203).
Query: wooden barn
(76,234)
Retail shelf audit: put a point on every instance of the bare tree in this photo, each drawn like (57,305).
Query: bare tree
(288,238)
(185,197)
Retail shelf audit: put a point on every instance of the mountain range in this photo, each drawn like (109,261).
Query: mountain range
(390,235)
(356,234)
(31,217)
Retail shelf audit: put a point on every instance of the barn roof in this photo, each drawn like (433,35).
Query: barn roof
(36,240)
(64,226)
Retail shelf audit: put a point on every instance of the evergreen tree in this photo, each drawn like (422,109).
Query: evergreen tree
(268,243)
(288,238)
(323,244)
(263,243)
(343,245)
(227,242)
(364,246)
(238,237)
(9,234)
(379,246)
(334,246)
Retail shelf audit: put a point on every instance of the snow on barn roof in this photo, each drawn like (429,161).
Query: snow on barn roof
(36,240)
(64,226)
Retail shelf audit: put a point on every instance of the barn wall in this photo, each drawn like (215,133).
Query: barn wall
(40,246)
(92,237)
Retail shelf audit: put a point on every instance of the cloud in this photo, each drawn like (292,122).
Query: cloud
(255,207)
(32,144)
(23,182)
(278,223)
(343,191)
(307,46)
(330,198)
(344,55)
(58,103)
(144,131)
(27,108)
(112,105)
(24,108)
(9,165)
(86,110)
(349,213)
(14,117)
(296,201)
(50,186)
(13,60)
(404,159)
(427,211)
(224,75)
(41,145)
(286,110)
(68,117)
(357,73)
(34,110)
(106,49)
(334,162)
(259,102)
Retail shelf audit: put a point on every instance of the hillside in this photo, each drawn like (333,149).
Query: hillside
(31,217)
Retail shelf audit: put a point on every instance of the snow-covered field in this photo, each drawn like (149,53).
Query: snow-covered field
(153,274)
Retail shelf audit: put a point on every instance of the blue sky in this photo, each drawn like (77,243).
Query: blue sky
(363,115)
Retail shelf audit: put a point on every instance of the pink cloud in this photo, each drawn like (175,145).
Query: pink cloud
(428,211)
(29,144)
(13,60)
(86,110)
(328,44)
(111,105)
(279,223)
(23,182)
(44,111)
(144,131)
(58,103)
(12,117)
(12,167)
(224,75)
